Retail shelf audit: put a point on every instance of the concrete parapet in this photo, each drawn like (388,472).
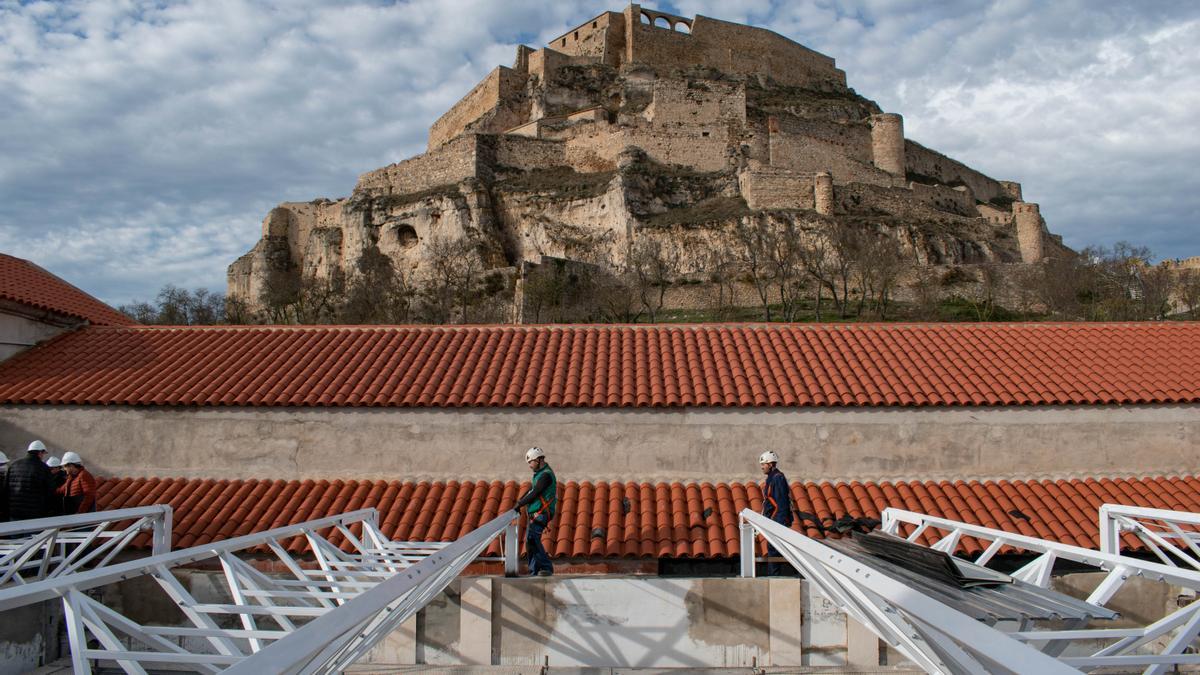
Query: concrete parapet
(823,193)
(1030,231)
(887,142)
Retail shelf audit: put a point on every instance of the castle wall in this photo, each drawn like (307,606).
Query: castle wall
(729,47)
(520,152)
(678,103)
(813,155)
(499,87)
(922,160)
(450,163)
(774,188)
(852,140)
(602,38)
(951,200)
(597,150)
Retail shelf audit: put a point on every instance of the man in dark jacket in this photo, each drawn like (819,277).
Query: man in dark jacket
(28,489)
(540,503)
(777,503)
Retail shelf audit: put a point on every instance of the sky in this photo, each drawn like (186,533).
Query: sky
(142,142)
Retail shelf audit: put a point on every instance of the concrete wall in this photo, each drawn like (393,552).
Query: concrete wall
(693,444)
(18,332)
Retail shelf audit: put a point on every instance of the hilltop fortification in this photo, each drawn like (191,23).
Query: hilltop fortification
(644,126)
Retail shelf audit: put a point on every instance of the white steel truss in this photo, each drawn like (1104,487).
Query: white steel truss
(45,548)
(1172,536)
(940,639)
(268,608)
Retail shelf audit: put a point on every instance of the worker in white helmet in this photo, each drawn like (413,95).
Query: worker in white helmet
(28,489)
(60,477)
(79,492)
(540,503)
(777,503)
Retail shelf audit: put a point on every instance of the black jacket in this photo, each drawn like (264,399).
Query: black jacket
(28,489)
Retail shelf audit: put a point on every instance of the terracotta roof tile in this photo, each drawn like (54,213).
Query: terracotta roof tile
(25,283)
(636,520)
(751,365)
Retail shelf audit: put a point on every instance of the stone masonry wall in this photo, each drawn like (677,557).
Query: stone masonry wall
(594,38)
(450,163)
(680,103)
(854,140)
(500,85)
(773,188)
(731,48)
(921,159)
(520,152)
(813,155)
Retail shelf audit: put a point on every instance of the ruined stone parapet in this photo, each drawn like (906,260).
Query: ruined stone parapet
(1012,190)
(823,193)
(887,143)
(1031,232)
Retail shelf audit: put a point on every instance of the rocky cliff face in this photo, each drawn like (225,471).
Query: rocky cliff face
(580,158)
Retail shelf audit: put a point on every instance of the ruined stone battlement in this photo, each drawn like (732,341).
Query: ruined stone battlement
(641,125)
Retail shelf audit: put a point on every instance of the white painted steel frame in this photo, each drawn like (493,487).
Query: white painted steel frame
(1171,536)
(45,548)
(268,608)
(921,632)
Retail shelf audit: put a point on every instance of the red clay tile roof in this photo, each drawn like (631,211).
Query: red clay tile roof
(23,282)
(636,520)
(749,365)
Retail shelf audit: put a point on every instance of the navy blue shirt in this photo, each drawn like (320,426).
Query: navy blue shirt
(777,502)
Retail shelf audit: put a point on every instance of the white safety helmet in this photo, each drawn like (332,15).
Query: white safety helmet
(768,456)
(3,458)
(53,462)
(36,446)
(534,453)
(72,458)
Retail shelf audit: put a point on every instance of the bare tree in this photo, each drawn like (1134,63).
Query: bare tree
(175,306)
(651,268)
(1187,288)
(982,295)
(927,292)
(754,247)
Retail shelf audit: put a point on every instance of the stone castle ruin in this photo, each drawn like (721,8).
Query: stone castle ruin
(644,126)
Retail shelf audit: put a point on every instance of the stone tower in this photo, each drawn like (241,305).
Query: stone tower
(887,143)
(1030,231)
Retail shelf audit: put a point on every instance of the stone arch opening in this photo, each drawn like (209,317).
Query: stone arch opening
(645,18)
(662,22)
(405,235)
(682,27)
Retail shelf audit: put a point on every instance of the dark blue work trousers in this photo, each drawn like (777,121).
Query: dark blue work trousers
(538,559)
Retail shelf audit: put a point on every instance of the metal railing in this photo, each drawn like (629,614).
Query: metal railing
(45,548)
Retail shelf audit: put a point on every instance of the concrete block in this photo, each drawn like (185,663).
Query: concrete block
(398,648)
(787,611)
(862,646)
(475,621)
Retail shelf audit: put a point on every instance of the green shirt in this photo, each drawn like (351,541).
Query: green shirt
(549,498)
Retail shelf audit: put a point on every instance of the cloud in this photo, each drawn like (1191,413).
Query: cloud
(144,141)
